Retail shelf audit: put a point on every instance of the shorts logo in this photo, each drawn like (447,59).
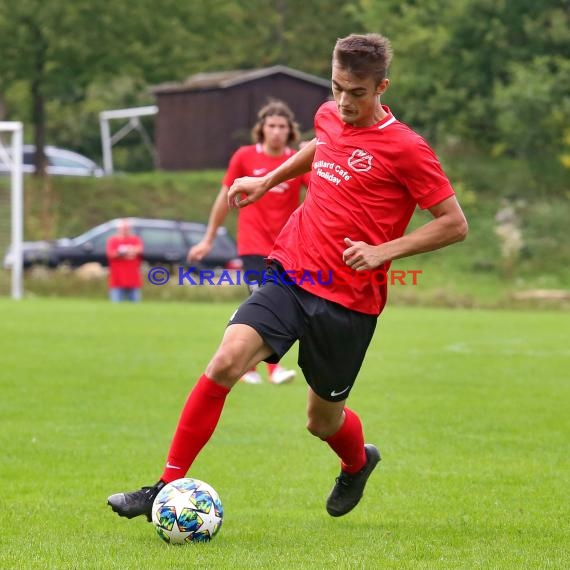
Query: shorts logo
(334,393)
(360,160)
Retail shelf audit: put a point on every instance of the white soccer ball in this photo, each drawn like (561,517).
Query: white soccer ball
(187,510)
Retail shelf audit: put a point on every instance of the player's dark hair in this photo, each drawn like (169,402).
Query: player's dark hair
(272,109)
(367,55)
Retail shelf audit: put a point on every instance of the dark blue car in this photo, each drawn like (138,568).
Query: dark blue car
(166,242)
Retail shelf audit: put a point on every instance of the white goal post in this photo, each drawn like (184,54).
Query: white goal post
(13,159)
(134,123)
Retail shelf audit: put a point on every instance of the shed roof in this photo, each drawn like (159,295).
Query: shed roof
(226,79)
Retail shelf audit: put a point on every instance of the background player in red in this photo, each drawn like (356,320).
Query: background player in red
(124,254)
(259,226)
(368,173)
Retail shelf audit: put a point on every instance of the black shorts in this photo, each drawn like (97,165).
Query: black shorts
(254,267)
(257,264)
(332,339)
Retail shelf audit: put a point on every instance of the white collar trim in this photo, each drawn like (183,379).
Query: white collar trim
(388,122)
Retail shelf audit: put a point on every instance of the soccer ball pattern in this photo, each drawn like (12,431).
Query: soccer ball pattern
(187,510)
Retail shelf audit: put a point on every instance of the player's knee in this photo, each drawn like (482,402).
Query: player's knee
(225,367)
(320,427)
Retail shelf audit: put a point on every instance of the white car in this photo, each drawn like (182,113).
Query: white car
(61,162)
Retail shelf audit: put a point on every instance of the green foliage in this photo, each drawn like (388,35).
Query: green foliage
(77,126)
(538,94)
(93,55)
(486,73)
(310,31)
(492,73)
(83,203)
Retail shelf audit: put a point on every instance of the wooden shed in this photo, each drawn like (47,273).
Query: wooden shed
(203,120)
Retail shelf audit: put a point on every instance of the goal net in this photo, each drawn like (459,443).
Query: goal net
(11,208)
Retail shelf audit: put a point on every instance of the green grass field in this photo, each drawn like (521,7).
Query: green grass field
(469,408)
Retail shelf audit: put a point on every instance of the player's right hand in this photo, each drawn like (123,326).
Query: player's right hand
(246,190)
(199,251)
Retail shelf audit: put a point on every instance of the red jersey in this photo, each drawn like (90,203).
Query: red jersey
(260,223)
(365,185)
(124,272)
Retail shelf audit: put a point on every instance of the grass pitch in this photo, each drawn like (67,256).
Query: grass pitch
(469,409)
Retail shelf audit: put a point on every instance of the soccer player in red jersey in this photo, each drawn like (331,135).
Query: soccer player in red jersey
(368,173)
(259,226)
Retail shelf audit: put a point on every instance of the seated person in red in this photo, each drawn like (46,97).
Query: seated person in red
(124,253)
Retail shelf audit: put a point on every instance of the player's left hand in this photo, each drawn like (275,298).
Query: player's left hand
(360,256)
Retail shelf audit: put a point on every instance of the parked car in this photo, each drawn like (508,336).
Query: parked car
(166,242)
(61,162)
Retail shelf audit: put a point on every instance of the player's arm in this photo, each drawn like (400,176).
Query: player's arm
(218,214)
(249,189)
(111,248)
(138,247)
(448,226)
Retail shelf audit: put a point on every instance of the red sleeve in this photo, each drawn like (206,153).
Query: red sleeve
(139,243)
(235,167)
(306,178)
(112,246)
(420,171)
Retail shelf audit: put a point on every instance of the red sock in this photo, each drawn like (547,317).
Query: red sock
(348,443)
(196,425)
(271,368)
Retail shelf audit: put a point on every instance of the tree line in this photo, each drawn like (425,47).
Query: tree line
(490,75)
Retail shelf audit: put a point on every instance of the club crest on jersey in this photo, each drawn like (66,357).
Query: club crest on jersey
(360,160)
